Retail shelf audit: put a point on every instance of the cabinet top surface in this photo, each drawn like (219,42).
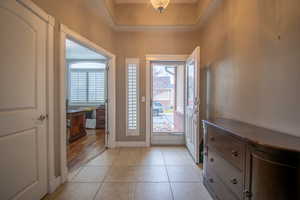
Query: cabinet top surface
(257,135)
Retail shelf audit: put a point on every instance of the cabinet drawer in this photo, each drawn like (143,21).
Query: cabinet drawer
(216,187)
(229,147)
(230,176)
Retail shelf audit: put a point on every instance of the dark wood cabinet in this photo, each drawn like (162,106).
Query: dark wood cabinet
(100,117)
(246,162)
(76,124)
(272,175)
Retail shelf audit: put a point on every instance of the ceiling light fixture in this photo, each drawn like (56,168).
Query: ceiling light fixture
(160,5)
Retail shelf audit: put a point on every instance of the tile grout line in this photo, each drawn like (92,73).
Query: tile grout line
(135,183)
(79,170)
(165,165)
(103,180)
(100,187)
(107,173)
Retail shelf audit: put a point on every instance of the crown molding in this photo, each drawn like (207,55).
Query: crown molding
(109,19)
(126,28)
(147,1)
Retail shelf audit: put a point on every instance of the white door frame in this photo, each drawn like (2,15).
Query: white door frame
(65,33)
(149,59)
(52,180)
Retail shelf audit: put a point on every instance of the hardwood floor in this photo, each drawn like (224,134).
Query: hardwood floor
(85,148)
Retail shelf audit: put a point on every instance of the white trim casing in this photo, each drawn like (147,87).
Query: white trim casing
(149,59)
(166,57)
(37,11)
(136,61)
(143,2)
(65,32)
(62,103)
(54,184)
(50,107)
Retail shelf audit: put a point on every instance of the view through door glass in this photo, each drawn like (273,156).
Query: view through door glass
(167,97)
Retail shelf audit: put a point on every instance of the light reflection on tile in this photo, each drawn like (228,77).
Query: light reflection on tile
(155,173)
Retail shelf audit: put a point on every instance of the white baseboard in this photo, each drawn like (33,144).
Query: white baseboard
(131,144)
(54,184)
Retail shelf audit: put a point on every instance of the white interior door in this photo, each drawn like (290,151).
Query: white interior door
(192,104)
(23,159)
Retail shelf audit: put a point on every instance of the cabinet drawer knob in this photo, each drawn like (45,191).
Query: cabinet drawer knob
(234,181)
(212,139)
(234,153)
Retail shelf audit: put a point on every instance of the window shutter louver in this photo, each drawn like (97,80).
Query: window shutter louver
(78,87)
(96,88)
(87,85)
(132,97)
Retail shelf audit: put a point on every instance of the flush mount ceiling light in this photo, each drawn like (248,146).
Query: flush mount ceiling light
(160,5)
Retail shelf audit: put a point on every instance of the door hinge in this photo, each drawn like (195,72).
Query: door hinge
(247,194)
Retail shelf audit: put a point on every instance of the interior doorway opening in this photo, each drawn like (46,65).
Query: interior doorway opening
(86,109)
(167,102)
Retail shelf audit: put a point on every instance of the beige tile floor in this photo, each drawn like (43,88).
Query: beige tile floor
(155,173)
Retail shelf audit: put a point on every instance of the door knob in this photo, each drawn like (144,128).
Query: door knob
(234,153)
(42,117)
(234,181)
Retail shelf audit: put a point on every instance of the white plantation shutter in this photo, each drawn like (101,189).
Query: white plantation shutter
(132,85)
(87,85)
(78,87)
(96,82)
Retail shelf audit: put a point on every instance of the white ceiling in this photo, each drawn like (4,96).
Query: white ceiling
(148,1)
(77,51)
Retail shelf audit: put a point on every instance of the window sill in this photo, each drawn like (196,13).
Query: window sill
(87,105)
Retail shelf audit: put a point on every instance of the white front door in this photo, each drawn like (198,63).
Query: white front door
(23,160)
(192,123)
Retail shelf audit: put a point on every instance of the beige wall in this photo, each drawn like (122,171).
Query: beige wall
(137,45)
(84,19)
(145,14)
(253,51)
(79,18)
(254,76)
(77,15)
(110,5)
